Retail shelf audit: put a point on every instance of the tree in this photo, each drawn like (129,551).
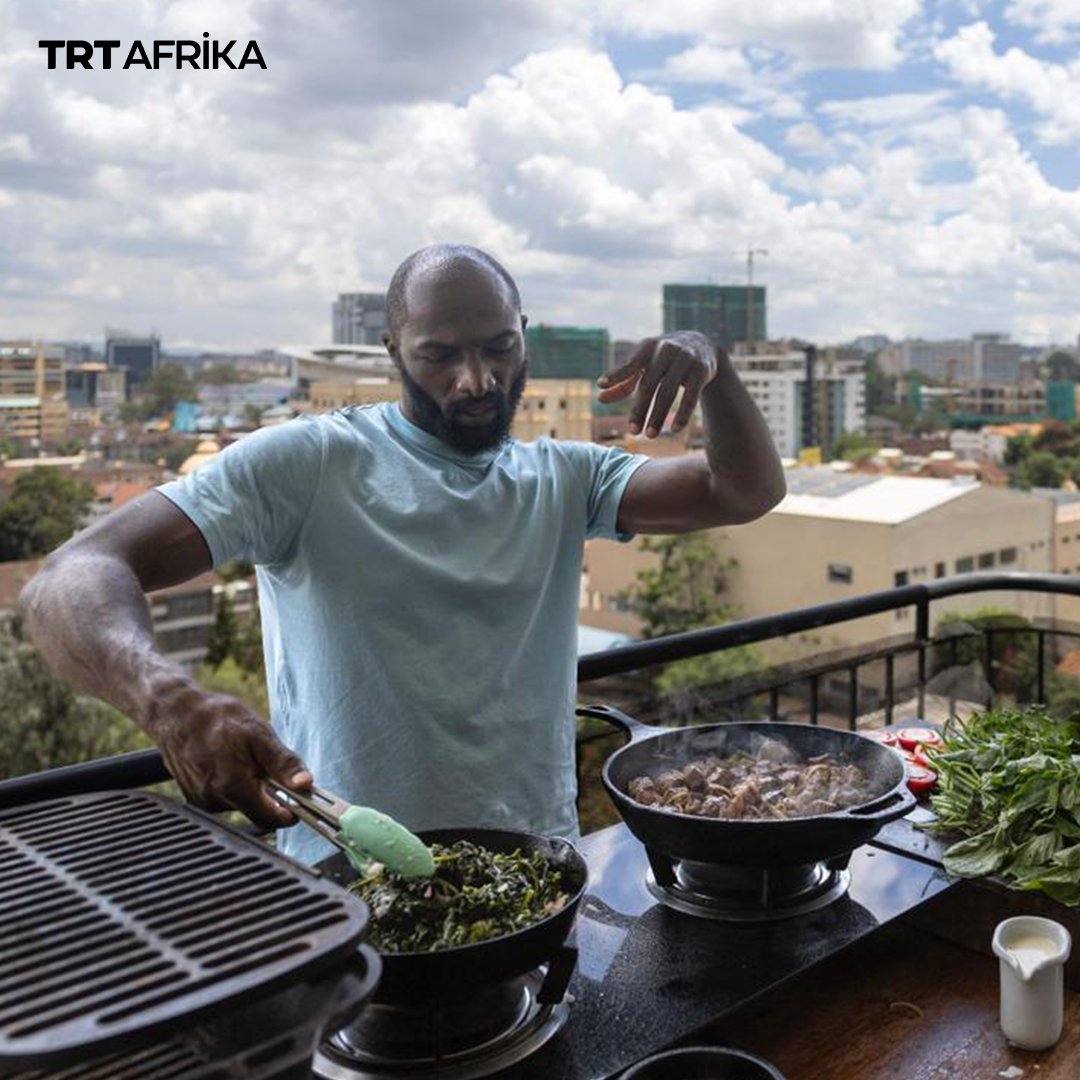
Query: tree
(880,388)
(1015,657)
(44,509)
(853,446)
(1042,469)
(230,678)
(223,635)
(685,592)
(46,723)
(159,394)
(1063,367)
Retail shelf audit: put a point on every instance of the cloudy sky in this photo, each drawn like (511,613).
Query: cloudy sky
(912,167)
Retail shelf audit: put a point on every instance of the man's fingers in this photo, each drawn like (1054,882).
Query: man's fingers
(646,391)
(690,394)
(276,762)
(665,398)
(638,359)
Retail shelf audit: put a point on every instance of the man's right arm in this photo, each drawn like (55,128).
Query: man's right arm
(87,614)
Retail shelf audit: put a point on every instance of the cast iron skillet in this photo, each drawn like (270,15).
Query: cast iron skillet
(776,842)
(444,974)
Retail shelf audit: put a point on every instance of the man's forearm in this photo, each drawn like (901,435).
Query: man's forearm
(747,472)
(87,615)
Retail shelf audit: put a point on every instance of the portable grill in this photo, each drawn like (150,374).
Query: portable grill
(140,938)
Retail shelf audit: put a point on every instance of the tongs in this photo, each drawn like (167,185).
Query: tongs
(365,835)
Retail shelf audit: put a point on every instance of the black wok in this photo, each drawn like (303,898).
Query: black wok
(447,974)
(770,843)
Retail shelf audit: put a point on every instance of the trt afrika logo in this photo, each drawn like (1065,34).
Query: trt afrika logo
(199,54)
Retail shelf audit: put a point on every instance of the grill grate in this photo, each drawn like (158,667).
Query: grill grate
(127,915)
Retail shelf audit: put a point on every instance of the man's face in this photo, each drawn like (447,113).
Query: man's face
(461,353)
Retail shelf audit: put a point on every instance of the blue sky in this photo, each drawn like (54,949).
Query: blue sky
(911,166)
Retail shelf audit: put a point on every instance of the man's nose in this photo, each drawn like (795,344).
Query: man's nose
(475,377)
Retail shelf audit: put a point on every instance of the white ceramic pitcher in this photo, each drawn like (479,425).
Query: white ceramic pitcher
(1032,953)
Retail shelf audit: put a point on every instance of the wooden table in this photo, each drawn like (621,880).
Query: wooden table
(901,1004)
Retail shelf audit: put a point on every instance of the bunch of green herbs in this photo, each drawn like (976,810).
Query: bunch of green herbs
(474,895)
(1009,781)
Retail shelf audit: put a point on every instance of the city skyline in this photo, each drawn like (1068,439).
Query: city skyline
(911,170)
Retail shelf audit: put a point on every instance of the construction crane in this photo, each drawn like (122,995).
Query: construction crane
(750,252)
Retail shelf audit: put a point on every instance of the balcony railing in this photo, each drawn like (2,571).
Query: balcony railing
(810,683)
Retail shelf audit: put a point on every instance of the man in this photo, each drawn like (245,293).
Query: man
(418,571)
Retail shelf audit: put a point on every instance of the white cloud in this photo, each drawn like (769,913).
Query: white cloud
(1053,22)
(886,109)
(706,63)
(233,209)
(818,33)
(1051,89)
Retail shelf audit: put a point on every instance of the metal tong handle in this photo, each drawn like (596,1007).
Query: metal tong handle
(321,813)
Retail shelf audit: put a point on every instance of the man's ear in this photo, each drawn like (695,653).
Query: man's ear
(391,345)
(524,321)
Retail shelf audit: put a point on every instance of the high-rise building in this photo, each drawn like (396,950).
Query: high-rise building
(567,352)
(32,402)
(723,313)
(139,355)
(777,383)
(359,318)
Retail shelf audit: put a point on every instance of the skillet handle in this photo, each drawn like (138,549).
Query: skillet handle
(634,728)
(889,807)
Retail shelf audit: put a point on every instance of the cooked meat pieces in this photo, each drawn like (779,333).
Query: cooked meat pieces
(772,783)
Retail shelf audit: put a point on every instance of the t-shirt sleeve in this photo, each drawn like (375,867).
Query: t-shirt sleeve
(610,472)
(251,500)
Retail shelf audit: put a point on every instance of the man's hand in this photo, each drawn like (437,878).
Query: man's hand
(220,752)
(654,374)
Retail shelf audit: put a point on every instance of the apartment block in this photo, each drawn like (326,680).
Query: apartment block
(32,389)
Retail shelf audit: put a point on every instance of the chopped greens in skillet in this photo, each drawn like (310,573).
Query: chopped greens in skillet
(474,895)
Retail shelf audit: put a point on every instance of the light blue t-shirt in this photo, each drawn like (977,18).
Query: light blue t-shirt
(419,608)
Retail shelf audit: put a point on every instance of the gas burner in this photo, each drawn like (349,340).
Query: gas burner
(746,893)
(493,1030)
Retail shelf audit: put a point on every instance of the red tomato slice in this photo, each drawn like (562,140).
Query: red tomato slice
(915,736)
(886,738)
(920,780)
(921,757)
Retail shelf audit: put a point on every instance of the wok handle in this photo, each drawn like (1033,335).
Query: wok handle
(634,728)
(897,803)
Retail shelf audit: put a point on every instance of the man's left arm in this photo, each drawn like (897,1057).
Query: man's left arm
(739,478)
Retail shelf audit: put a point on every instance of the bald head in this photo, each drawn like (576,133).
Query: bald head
(440,263)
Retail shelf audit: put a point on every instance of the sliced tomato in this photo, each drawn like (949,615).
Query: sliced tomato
(911,737)
(886,738)
(920,757)
(919,779)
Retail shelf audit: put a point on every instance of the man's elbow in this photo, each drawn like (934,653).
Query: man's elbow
(749,505)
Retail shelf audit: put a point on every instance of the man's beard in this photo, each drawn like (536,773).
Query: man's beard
(445,424)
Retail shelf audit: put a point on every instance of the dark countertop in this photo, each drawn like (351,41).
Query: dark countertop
(648,977)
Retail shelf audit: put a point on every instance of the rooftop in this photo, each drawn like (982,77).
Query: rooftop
(883,500)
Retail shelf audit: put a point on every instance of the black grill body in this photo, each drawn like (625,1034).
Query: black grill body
(142,938)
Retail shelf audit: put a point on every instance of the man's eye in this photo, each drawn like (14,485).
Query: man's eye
(501,350)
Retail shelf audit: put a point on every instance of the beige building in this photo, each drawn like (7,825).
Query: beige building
(558,408)
(1066,508)
(329,394)
(839,535)
(32,391)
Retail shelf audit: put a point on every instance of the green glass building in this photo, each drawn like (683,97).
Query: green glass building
(721,312)
(567,352)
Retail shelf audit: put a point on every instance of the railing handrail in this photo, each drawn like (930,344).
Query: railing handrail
(143,767)
(663,650)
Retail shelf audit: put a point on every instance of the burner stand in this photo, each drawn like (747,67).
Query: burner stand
(491,1030)
(746,893)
